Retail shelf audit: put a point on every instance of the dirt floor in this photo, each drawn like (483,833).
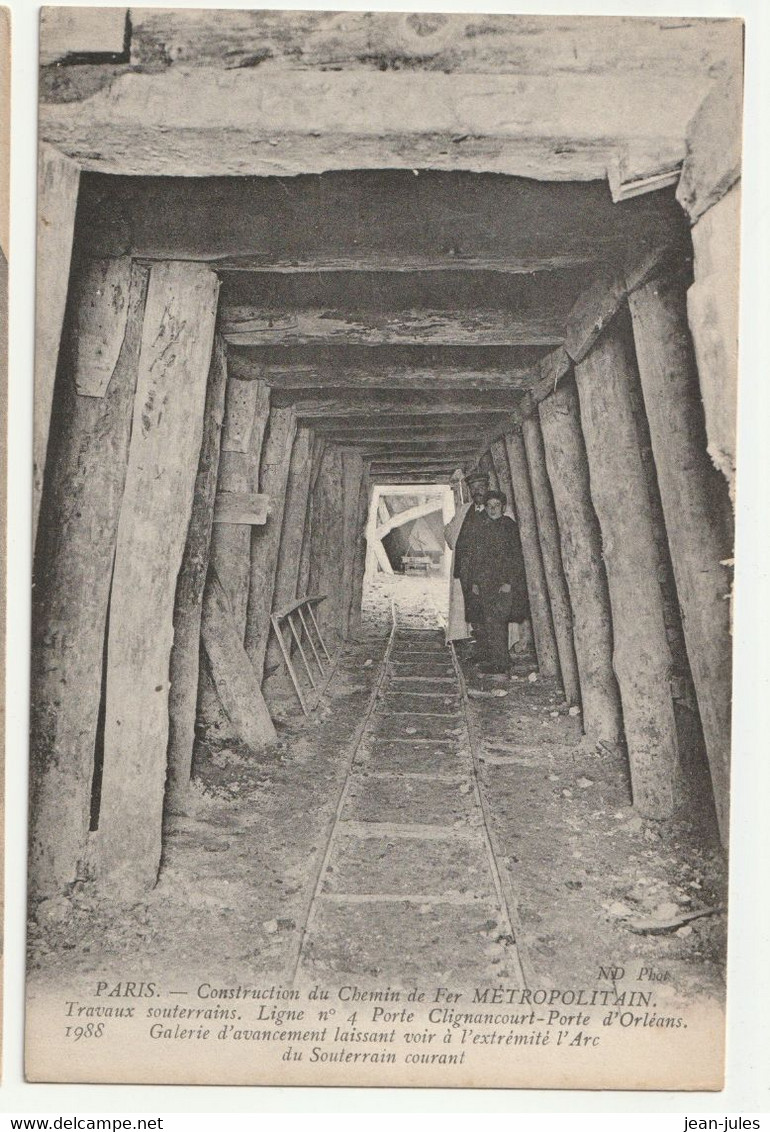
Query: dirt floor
(239,868)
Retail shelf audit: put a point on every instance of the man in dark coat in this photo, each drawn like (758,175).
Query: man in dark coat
(469,540)
(498,584)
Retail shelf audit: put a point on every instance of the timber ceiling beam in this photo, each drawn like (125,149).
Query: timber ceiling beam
(256,327)
(213,121)
(438,222)
(389,367)
(372,405)
(454,424)
(389,436)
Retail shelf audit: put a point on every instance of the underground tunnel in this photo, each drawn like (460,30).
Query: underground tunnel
(253,729)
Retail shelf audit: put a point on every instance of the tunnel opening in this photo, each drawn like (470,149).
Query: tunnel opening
(341,404)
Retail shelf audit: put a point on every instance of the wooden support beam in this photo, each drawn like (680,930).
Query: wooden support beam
(247,407)
(217,122)
(101,316)
(352,478)
(594,308)
(550,549)
(370,436)
(409,515)
(641,654)
(487,464)
(714,147)
(231,671)
(256,327)
(581,550)
(327,540)
(346,406)
(416,478)
(73,574)
(266,541)
(359,560)
(423,425)
(295,510)
(58,182)
(245,509)
(166,436)
(713,312)
(184,665)
(699,532)
(384,373)
(499,456)
(540,609)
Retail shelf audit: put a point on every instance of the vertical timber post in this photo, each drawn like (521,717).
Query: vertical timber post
(74,562)
(359,562)
(177,340)
(327,540)
(542,625)
(550,548)
(294,514)
(57,196)
(188,609)
(352,477)
(699,537)
(641,657)
(247,406)
(303,578)
(581,549)
(266,540)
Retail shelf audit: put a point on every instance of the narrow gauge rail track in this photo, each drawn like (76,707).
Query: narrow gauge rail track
(409,885)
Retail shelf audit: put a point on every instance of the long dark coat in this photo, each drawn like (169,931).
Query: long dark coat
(496,559)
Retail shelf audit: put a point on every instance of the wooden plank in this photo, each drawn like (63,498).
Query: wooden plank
(352,478)
(423,425)
(73,574)
(210,121)
(234,678)
(581,548)
(239,475)
(409,515)
(266,540)
(287,571)
(184,666)
(595,306)
(455,41)
(376,403)
(370,216)
(699,536)
(714,147)
(58,182)
(250,326)
(554,366)
(241,405)
(713,309)
(101,317)
(327,540)
(368,262)
(359,561)
(82,35)
(303,579)
(641,656)
(550,549)
(539,601)
(249,509)
(166,439)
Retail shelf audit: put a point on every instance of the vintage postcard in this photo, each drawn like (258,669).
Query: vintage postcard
(385,398)
(5,113)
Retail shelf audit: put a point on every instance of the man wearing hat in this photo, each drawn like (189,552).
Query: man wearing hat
(463,534)
(498,584)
